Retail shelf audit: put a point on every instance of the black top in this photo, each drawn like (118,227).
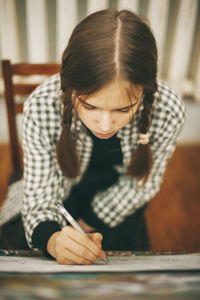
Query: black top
(99,175)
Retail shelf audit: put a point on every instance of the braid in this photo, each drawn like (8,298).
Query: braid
(66,152)
(141,161)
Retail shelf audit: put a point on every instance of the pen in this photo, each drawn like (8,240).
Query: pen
(71,220)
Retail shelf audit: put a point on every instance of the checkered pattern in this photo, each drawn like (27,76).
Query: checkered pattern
(44,184)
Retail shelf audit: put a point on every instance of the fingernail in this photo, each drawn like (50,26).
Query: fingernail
(102,254)
(98,236)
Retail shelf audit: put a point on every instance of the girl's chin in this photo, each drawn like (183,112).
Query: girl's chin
(102,135)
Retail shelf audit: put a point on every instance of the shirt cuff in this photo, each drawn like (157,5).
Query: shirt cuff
(42,233)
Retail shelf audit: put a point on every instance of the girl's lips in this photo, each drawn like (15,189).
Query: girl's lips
(104,135)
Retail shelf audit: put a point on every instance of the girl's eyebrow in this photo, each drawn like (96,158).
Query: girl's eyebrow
(121,108)
(129,106)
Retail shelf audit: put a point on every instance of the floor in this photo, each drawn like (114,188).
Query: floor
(173,216)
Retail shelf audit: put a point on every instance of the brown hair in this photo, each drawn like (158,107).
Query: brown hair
(107,44)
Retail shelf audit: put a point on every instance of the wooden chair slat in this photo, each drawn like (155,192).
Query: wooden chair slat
(35,69)
(24,89)
(19,108)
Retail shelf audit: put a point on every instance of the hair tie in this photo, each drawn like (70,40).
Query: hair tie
(143,138)
(65,125)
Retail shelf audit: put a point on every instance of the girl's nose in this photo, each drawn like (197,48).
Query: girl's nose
(105,122)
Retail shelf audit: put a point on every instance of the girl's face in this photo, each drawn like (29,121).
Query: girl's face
(106,111)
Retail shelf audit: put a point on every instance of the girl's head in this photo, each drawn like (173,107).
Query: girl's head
(109,109)
(109,65)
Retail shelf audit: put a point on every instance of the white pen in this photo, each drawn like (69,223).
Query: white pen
(71,220)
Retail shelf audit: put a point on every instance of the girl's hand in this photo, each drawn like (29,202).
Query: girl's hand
(70,247)
(87,228)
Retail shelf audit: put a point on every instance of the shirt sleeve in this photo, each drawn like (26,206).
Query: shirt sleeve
(123,198)
(43,182)
(42,233)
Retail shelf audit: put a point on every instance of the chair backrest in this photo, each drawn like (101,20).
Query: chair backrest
(22,88)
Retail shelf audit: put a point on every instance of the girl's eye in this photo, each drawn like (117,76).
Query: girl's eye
(87,107)
(93,108)
(90,107)
(124,110)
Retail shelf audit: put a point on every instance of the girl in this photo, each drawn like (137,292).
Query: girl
(97,138)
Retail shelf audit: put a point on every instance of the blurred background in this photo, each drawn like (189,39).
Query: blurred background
(38,31)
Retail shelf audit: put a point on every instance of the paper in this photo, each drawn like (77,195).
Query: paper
(132,263)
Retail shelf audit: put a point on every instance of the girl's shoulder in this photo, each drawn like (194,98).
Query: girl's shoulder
(50,87)
(44,107)
(48,91)
(168,101)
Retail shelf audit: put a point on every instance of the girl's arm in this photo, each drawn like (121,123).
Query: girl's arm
(45,227)
(123,198)
(43,184)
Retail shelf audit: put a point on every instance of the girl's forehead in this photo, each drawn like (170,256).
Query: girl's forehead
(117,93)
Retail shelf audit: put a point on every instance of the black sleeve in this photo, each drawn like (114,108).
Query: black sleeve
(91,218)
(42,233)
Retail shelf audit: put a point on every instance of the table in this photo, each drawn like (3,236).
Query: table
(136,285)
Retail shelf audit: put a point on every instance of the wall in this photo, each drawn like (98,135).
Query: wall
(38,31)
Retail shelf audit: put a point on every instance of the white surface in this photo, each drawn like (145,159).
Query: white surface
(25,35)
(4,123)
(95,5)
(191,130)
(37,31)
(182,44)
(128,4)
(9,35)
(197,81)
(158,14)
(131,263)
(66,19)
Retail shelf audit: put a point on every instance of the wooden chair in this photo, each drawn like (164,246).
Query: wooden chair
(13,89)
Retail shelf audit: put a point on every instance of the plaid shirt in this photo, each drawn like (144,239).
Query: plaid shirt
(44,185)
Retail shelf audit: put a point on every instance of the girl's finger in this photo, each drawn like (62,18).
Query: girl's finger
(68,256)
(96,238)
(82,240)
(79,250)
